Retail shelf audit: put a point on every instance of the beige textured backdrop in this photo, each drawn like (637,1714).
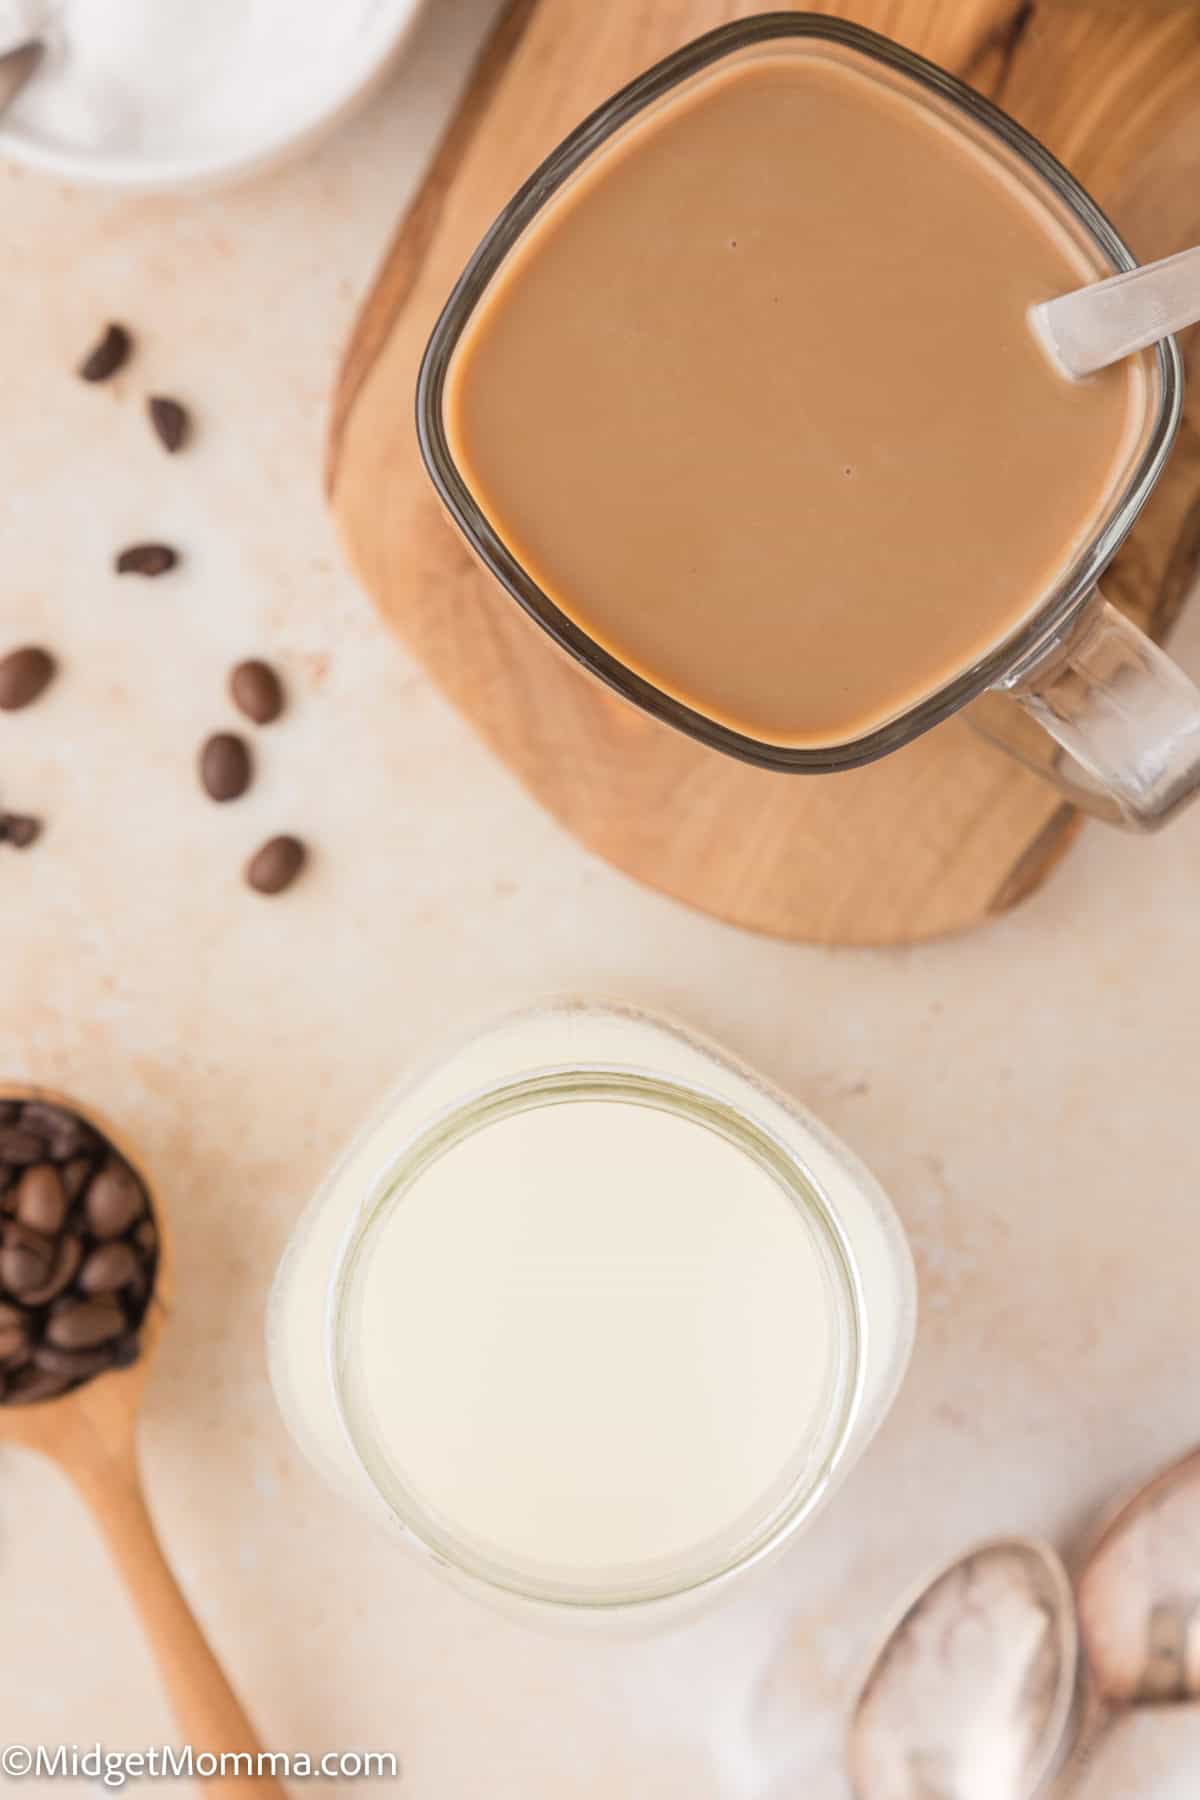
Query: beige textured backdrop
(1027,1093)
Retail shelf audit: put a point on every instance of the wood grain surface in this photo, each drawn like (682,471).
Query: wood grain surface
(947,832)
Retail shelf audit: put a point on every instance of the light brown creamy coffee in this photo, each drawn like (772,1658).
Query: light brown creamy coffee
(756,403)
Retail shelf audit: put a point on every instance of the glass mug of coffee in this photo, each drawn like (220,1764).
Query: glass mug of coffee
(739,399)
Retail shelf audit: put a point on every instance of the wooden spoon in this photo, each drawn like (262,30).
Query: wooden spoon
(91,1433)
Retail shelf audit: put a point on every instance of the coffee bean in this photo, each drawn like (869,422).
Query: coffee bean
(82,1324)
(14,1335)
(170,422)
(114,1200)
(24,675)
(106,357)
(146,559)
(75,1176)
(26,1259)
(68,1255)
(257,691)
(146,1237)
(10,1111)
(19,1146)
(19,830)
(66,1134)
(30,1385)
(224,766)
(41,1200)
(109,1268)
(75,1364)
(276,865)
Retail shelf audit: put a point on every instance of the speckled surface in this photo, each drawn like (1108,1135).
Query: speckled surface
(1026,1092)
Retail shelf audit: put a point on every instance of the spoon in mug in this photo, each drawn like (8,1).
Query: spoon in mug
(1099,324)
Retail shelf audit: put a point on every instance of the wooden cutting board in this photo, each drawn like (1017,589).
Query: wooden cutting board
(947,832)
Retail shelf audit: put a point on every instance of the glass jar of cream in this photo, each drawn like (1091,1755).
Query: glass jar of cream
(596,1316)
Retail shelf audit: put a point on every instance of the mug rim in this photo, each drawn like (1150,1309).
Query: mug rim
(1022,645)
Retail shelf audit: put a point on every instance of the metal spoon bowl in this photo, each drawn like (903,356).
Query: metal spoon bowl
(973,1694)
(1139,1593)
(17,66)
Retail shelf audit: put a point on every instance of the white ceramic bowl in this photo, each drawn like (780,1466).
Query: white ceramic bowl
(350,80)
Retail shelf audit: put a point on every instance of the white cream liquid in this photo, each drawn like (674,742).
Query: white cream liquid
(593,1338)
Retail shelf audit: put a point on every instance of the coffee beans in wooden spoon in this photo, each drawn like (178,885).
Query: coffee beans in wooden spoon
(78,1252)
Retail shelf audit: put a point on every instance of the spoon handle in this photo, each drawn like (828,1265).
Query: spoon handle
(1099,324)
(207,1711)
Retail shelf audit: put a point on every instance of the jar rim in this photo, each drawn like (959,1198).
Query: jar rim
(558,1084)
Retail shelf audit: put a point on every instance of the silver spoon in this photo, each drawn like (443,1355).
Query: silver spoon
(1138,1598)
(973,1695)
(16,68)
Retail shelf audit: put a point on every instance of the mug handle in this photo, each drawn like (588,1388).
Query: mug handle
(1103,714)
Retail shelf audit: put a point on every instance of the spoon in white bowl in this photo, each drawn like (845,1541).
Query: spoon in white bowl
(1099,324)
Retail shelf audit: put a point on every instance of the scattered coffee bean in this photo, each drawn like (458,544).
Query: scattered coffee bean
(41,1199)
(75,1176)
(82,1324)
(107,356)
(109,1268)
(66,1134)
(114,1200)
(276,865)
(19,1146)
(146,1237)
(146,559)
(19,830)
(28,1386)
(26,1259)
(257,691)
(24,675)
(224,766)
(67,1258)
(170,422)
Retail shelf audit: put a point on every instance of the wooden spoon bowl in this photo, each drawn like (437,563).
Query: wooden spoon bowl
(91,1433)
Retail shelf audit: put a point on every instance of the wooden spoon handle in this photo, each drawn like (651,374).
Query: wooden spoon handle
(207,1711)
